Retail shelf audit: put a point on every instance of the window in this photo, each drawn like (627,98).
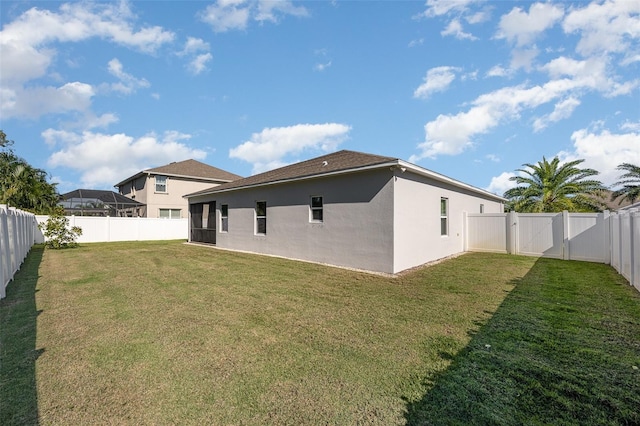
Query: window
(316,209)
(224,218)
(170,213)
(444,216)
(161,184)
(481,208)
(261,217)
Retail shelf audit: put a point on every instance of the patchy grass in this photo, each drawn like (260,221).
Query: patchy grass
(167,333)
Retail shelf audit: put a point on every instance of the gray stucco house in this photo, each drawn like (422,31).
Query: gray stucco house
(348,209)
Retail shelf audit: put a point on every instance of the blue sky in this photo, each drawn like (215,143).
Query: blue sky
(94,92)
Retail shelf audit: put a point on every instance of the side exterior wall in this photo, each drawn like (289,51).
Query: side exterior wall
(417,220)
(356,230)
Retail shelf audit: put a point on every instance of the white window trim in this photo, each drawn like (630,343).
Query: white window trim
(259,217)
(155,187)
(445,216)
(222,217)
(170,213)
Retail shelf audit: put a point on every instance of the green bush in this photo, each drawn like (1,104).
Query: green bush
(57,233)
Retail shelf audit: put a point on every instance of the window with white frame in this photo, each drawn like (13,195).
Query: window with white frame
(316,209)
(161,184)
(444,216)
(169,213)
(224,218)
(261,217)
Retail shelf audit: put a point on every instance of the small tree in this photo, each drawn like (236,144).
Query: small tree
(57,233)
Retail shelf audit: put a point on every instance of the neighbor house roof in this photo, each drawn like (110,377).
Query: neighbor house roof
(188,169)
(333,164)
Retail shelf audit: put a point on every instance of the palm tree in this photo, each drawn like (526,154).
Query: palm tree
(630,182)
(22,185)
(552,187)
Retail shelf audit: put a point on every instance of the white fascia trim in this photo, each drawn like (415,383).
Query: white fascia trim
(442,178)
(396,164)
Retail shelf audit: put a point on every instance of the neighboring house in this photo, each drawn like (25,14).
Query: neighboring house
(347,209)
(95,202)
(161,189)
(630,207)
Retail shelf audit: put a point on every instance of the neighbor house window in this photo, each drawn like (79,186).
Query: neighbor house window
(316,209)
(261,217)
(481,208)
(161,184)
(444,216)
(224,218)
(170,213)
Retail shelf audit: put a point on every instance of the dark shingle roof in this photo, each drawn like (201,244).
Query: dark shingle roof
(193,168)
(330,163)
(187,169)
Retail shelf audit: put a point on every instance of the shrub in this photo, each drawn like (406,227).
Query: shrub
(57,233)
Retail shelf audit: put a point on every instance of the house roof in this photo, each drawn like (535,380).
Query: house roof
(190,169)
(332,164)
(630,206)
(107,197)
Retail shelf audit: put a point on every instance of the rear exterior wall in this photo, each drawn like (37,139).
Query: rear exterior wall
(356,230)
(417,236)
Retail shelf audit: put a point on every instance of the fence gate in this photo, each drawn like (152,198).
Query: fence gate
(203,222)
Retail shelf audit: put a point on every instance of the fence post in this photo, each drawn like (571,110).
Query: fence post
(566,255)
(512,233)
(4,251)
(633,230)
(606,229)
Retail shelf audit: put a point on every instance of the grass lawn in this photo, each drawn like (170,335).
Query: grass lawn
(168,333)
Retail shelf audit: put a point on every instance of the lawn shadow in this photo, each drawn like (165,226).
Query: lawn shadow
(535,361)
(18,352)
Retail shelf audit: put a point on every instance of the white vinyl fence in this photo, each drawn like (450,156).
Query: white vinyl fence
(593,237)
(97,229)
(17,234)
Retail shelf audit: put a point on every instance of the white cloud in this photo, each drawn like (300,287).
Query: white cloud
(268,9)
(34,102)
(105,159)
(499,71)
(268,148)
(493,157)
(604,151)
(455,29)
(227,15)
(610,26)
(194,45)
(437,80)
(128,84)
(27,55)
(416,42)
(631,126)
(562,110)
(199,63)
(500,184)
(570,79)
(522,28)
(444,7)
(523,58)
(321,67)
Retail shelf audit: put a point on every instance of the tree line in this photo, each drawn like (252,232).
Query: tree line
(22,185)
(547,186)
